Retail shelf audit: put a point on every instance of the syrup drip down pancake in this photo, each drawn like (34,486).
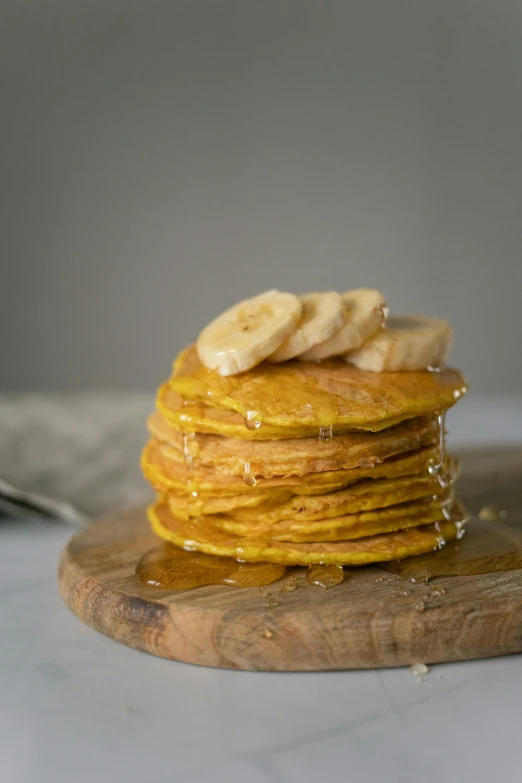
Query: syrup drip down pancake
(339,461)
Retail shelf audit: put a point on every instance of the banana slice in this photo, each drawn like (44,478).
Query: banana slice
(247,333)
(406,343)
(322,316)
(364,314)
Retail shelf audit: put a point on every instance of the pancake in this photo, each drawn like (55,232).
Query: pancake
(304,462)
(185,416)
(364,496)
(343,528)
(275,505)
(362,551)
(295,456)
(182,504)
(317,394)
(168,474)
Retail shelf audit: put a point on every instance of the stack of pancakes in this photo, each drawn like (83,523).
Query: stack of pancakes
(303,462)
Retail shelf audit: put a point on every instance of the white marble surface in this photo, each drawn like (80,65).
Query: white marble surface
(75,706)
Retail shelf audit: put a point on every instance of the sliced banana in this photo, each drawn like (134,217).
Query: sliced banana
(322,316)
(364,314)
(406,343)
(247,333)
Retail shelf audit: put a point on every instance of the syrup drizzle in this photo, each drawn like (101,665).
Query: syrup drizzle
(167,567)
(325,434)
(489,547)
(248,477)
(325,576)
(436,469)
(250,421)
(493,544)
(190,446)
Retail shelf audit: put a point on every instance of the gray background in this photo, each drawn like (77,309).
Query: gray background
(161,160)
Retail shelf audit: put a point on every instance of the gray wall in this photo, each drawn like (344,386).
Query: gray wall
(161,160)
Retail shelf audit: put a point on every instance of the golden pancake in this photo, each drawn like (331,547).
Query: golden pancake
(317,394)
(298,456)
(183,504)
(343,528)
(364,496)
(165,473)
(276,505)
(190,417)
(362,551)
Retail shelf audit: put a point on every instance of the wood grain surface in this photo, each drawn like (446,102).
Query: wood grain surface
(369,621)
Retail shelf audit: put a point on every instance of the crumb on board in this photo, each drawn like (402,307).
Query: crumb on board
(419,669)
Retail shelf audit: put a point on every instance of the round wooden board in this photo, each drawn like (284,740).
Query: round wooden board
(366,622)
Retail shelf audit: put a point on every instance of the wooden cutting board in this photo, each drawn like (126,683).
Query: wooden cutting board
(371,620)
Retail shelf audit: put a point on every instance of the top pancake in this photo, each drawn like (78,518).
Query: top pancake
(317,394)
(187,416)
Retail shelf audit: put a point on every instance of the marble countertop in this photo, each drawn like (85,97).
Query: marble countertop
(75,706)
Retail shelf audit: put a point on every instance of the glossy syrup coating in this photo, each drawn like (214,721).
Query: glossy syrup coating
(187,415)
(318,394)
(316,464)
(325,576)
(167,567)
(487,547)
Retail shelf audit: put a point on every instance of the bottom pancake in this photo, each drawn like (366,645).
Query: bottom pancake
(363,551)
